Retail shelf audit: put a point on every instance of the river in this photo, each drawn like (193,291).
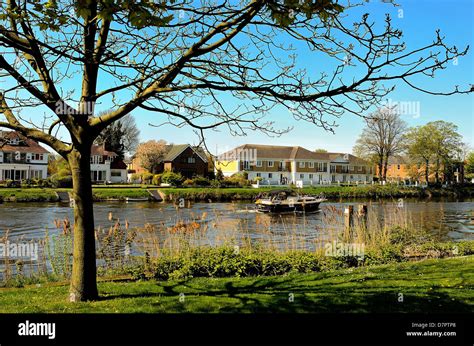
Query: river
(445,218)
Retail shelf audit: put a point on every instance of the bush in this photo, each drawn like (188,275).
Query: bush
(156,179)
(201,181)
(135,177)
(172,178)
(61,182)
(188,182)
(147,178)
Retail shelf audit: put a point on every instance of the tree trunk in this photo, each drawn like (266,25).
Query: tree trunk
(385,168)
(437,171)
(380,165)
(83,281)
(427,172)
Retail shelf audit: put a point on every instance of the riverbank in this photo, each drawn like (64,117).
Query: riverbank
(331,192)
(236,194)
(440,285)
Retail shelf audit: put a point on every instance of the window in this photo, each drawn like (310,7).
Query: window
(302,164)
(259,164)
(311,164)
(115,174)
(360,169)
(270,175)
(259,174)
(191,160)
(38,157)
(301,176)
(246,165)
(311,176)
(96,159)
(270,163)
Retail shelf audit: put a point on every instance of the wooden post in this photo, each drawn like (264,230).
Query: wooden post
(348,221)
(362,215)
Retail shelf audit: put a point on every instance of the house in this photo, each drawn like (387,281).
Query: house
(281,165)
(400,169)
(21,157)
(106,166)
(181,158)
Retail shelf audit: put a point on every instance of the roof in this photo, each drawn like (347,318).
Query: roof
(26,145)
(176,149)
(286,152)
(349,158)
(118,164)
(99,150)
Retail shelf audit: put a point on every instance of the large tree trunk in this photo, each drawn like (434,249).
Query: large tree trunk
(83,281)
(380,166)
(427,172)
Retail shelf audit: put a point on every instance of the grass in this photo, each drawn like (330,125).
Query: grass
(121,192)
(28,195)
(334,192)
(441,285)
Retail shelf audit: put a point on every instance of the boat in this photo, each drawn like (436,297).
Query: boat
(138,199)
(287,201)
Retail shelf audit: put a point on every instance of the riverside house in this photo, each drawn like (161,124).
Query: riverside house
(180,158)
(21,158)
(106,166)
(281,165)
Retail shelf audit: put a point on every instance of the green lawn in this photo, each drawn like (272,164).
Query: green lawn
(445,285)
(27,195)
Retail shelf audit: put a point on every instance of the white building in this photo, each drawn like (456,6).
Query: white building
(281,165)
(106,166)
(21,158)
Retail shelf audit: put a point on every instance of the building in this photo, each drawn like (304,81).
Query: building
(400,169)
(21,158)
(281,165)
(181,158)
(106,166)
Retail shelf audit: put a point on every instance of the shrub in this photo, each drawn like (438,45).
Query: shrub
(147,177)
(135,177)
(188,182)
(61,182)
(156,179)
(201,181)
(172,178)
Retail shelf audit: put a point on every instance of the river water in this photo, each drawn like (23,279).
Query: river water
(447,219)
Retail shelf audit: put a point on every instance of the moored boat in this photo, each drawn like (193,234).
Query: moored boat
(286,201)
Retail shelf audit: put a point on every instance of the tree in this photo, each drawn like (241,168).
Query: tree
(320,151)
(120,137)
(435,144)
(191,63)
(470,165)
(381,139)
(151,153)
(447,144)
(421,148)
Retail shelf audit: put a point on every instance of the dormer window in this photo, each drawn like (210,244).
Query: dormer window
(14,141)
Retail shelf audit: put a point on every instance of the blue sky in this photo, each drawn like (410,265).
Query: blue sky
(420,20)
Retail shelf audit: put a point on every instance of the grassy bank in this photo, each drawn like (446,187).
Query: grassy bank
(442,285)
(103,193)
(333,192)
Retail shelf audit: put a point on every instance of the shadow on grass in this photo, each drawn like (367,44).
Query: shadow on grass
(311,294)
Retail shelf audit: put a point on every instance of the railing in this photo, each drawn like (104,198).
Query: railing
(7,160)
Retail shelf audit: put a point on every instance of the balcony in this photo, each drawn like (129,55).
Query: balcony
(13,161)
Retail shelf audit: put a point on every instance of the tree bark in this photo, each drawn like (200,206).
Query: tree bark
(427,172)
(83,281)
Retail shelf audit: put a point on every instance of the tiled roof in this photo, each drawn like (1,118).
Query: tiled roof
(175,149)
(287,153)
(99,150)
(26,145)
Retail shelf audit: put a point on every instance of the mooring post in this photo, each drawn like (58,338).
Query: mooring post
(362,215)
(348,221)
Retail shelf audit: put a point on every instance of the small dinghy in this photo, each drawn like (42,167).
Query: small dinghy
(287,201)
